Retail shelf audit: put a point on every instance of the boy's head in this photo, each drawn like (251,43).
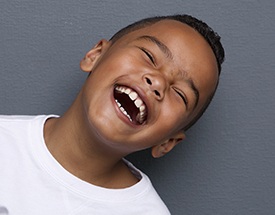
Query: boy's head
(201,27)
(151,82)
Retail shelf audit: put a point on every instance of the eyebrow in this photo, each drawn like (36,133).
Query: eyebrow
(195,91)
(169,55)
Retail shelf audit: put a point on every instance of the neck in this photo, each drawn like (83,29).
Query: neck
(71,142)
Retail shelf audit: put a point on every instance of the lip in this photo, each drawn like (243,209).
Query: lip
(141,94)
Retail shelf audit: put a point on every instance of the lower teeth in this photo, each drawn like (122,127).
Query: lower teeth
(123,111)
(140,118)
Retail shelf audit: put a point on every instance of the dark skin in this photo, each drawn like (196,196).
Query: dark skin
(93,136)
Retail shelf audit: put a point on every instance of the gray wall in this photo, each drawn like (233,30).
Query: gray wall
(226,165)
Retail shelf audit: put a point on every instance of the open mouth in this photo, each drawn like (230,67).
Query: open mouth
(130,104)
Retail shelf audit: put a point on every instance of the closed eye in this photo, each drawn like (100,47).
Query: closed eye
(182,96)
(149,55)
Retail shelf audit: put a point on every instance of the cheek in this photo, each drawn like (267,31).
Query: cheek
(171,118)
(121,58)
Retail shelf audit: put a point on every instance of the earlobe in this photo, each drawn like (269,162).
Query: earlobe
(88,62)
(162,149)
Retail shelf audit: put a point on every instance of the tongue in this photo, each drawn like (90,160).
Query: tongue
(128,105)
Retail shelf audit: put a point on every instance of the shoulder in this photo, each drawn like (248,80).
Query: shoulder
(15,125)
(13,119)
(9,118)
(11,122)
(21,118)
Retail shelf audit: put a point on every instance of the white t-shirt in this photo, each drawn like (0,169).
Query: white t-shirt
(32,182)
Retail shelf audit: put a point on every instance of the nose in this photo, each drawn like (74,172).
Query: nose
(156,84)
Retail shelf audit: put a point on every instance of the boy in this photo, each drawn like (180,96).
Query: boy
(146,86)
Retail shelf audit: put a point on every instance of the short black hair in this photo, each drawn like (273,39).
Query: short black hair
(201,27)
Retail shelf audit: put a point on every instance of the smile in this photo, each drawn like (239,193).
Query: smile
(130,104)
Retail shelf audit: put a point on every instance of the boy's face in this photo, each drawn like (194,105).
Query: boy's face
(161,75)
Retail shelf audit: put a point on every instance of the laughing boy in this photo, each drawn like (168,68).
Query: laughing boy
(146,86)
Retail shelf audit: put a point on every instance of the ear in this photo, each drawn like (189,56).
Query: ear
(167,146)
(88,62)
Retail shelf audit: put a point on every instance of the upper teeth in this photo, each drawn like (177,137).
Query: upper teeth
(137,101)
